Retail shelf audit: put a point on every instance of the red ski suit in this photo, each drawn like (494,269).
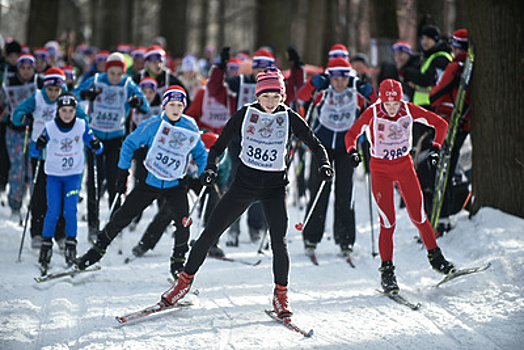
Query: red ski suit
(391,163)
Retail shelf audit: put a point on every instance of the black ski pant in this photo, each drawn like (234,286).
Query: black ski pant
(234,202)
(107,166)
(162,219)
(176,208)
(39,205)
(255,213)
(344,213)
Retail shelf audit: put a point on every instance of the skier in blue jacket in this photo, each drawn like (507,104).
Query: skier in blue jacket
(112,96)
(169,138)
(63,138)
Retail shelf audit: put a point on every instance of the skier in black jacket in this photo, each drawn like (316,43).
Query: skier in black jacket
(265,128)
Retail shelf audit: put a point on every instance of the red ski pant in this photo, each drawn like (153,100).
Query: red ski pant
(385,173)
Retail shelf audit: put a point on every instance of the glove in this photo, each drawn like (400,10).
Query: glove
(320,81)
(433,157)
(96,146)
(224,57)
(121,180)
(90,94)
(41,142)
(27,119)
(365,89)
(293,57)
(326,172)
(134,101)
(354,158)
(208,177)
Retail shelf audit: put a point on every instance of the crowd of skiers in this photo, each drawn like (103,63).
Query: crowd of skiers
(228,127)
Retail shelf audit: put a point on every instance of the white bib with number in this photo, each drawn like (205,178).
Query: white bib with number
(392,137)
(339,109)
(18,93)
(139,117)
(214,114)
(42,114)
(65,150)
(167,156)
(246,93)
(108,110)
(264,140)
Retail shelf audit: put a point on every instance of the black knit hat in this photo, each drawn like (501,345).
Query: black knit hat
(13,47)
(432,32)
(66,99)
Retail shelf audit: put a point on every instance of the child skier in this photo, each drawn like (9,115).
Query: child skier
(169,139)
(265,128)
(64,138)
(390,121)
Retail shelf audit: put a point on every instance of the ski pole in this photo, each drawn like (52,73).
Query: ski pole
(373,251)
(187,220)
(300,226)
(203,211)
(113,206)
(97,200)
(37,170)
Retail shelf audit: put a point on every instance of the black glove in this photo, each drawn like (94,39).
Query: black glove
(354,158)
(134,101)
(326,172)
(320,81)
(95,144)
(433,157)
(41,142)
(121,180)
(208,177)
(293,57)
(90,94)
(27,119)
(224,57)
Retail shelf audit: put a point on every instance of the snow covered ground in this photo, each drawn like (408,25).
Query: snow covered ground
(341,304)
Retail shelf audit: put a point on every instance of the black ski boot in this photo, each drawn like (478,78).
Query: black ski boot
(388,280)
(46,252)
(177,266)
(93,255)
(70,250)
(139,249)
(216,251)
(439,263)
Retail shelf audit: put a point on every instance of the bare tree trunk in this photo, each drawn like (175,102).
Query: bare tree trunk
(173,25)
(497,104)
(314,42)
(221,37)
(430,12)
(330,28)
(42,24)
(461,14)
(273,18)
(383,27)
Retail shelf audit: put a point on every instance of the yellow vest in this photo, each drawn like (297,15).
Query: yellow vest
(421,95)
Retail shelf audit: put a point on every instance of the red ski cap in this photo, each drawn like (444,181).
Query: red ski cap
(390,91)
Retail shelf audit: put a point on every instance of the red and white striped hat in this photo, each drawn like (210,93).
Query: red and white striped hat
(69,72)
(25,58)
(460,39)
(54,76)
(42,53)
(174,93)
(155,53)
(270,80)
(338,50)
(263,59)
(148,83)
(138,52)
(338,67)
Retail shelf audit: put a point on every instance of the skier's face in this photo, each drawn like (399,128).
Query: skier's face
(114,75)
(26,71)
(392,108)
(339,83)
(53,91)
(150,94)
(156,66)
(426,42)
(270,101)
(173,110)
(67,113)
